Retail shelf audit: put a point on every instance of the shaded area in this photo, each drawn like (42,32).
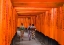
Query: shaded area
(45,39)
(15,39)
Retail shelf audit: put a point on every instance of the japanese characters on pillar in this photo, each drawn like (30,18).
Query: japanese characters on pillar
(7,12)
(58,24)
(5,22)
(62,37)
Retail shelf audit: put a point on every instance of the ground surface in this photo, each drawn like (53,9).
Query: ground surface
(26,40)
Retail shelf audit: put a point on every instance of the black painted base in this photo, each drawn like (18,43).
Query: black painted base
(15,38)
(45,39)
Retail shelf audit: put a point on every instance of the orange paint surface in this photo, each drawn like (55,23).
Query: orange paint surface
(49,21)
(6,22)
(37,0)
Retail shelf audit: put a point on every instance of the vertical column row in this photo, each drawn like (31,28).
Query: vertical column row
(7,23)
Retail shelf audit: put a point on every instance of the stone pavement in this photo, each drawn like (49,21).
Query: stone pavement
(26,41)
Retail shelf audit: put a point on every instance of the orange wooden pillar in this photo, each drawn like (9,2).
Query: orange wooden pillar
(37,22)
(18,24)
(24,21)
(31,20)
(9,29)
(4,29)
(55,24)
(59,18)
(62,26)
(1,42)
(6,33)
(14,21)
(51,24)
(2,22)
(43,23)
(9,13)
(10,21)
(40,22)
(46,24)
(27,21)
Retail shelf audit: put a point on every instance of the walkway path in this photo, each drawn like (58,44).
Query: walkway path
(26,41)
